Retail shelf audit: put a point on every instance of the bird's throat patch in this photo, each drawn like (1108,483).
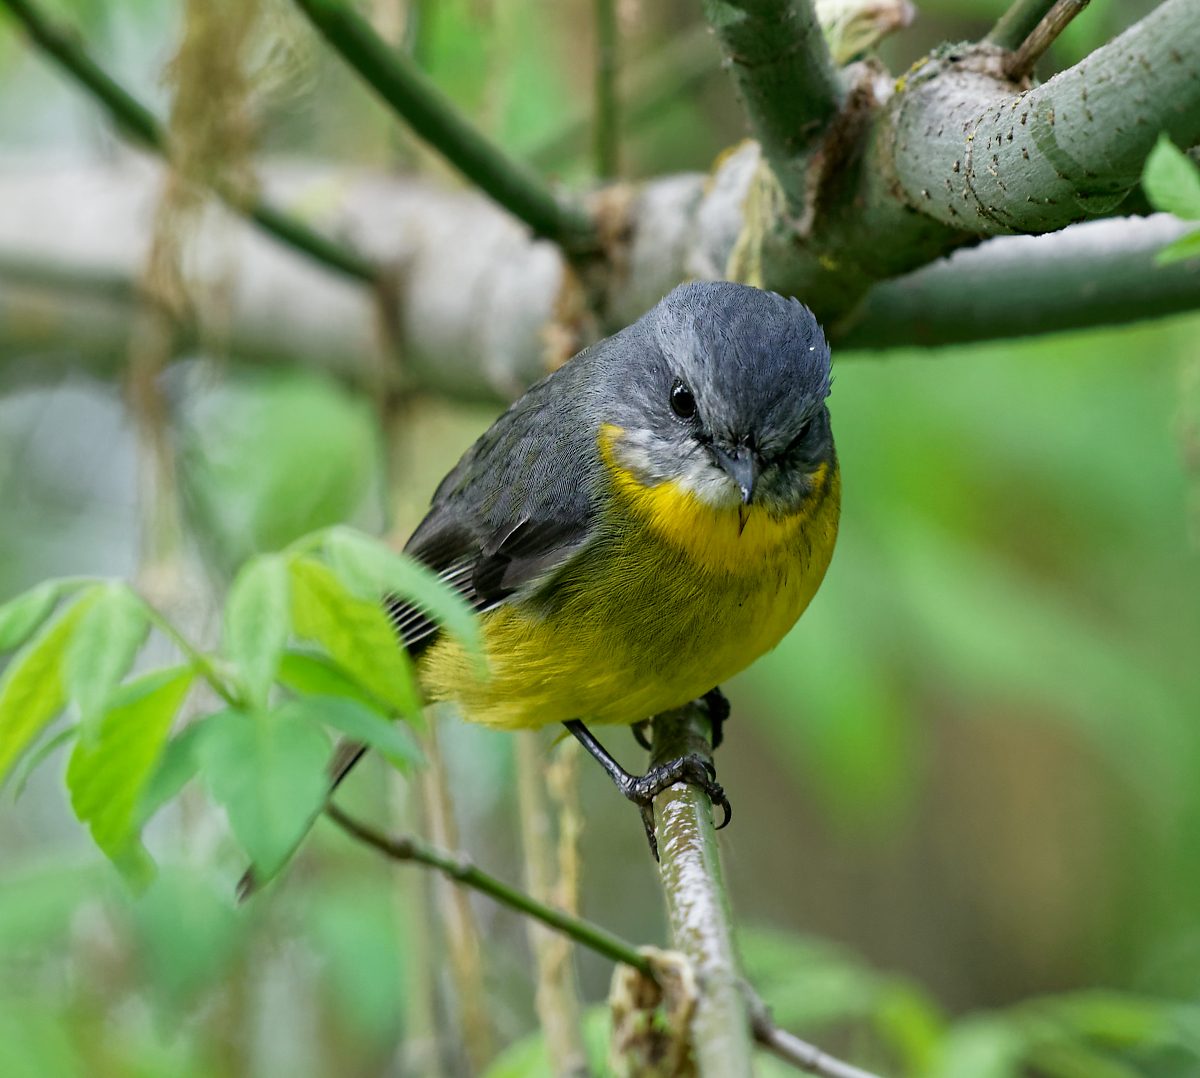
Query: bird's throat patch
(715,537)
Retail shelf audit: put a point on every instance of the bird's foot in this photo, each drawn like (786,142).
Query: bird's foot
(643,789)
(692,769)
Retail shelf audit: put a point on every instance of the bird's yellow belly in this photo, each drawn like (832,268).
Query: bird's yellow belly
(669,603)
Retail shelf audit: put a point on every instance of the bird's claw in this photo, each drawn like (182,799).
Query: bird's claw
(693,769)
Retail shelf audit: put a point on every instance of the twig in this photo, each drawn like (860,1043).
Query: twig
(1021,63)
(1018,22)
(140,123)
(418,102)
(777,52)
(606,131)
(697,902)
(791,1049)
(459,868)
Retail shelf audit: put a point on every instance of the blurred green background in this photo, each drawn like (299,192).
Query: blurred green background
(967,785)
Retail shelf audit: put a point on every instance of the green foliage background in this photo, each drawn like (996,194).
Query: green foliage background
(968,784)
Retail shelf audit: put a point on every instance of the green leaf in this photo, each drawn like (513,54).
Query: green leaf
(307,674)
(1172,181)
(31,761)
(106,777)
(177,765)
(32,692)
(1185,247)
(257,622)
(371,569)
(21,617)
(356,634)
(361,724)
(102,650)
(269,776)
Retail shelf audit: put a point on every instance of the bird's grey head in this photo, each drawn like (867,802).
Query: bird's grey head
(723,392)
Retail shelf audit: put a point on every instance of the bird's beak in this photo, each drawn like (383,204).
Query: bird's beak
(742,467)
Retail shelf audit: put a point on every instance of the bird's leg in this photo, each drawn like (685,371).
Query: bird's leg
(643,789)
(717,704)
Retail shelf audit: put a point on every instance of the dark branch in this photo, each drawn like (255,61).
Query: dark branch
(434,118)
(133,117)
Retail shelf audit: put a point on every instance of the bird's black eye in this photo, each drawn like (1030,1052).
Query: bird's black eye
(683,403)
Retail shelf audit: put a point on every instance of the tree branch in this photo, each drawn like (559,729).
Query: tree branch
(777,53)
(482,310)
(133,117)
(1020,65)
(697,903)
(973,156)
(1099,273)
(460,869)
(1018,22)
(434,118)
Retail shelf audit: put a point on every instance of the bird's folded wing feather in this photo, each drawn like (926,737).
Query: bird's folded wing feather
(513,511)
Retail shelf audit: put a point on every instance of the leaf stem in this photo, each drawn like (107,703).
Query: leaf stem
(195,656)
(417,101)
(64,46)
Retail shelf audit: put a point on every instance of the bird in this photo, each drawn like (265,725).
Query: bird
(638,527)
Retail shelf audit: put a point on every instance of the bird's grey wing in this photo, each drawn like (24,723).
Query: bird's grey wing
(513,511)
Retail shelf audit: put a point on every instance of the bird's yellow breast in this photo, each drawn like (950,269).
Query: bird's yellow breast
(667,601)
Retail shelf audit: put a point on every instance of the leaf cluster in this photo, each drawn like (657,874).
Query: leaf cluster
(306,652)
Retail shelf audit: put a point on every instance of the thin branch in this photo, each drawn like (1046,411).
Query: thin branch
(433,117)
(606,133)
(1100,273)
(459,868)
(67,286)
(799,1053)
(131,116)
(697,902)
(780,62)
(1020,65)
(1018,22)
